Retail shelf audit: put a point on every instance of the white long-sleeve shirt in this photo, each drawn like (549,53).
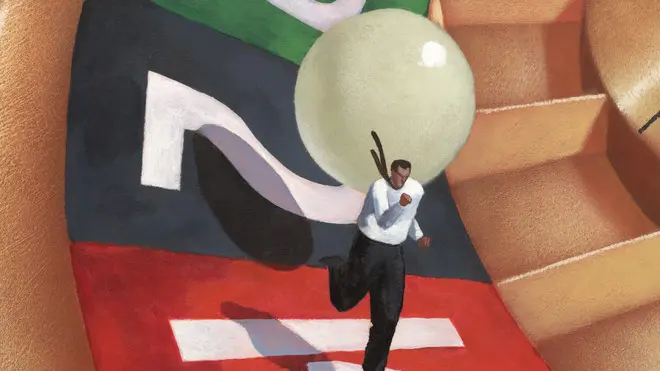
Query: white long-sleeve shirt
(384,220)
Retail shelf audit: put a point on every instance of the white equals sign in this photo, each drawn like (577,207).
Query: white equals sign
(223,339)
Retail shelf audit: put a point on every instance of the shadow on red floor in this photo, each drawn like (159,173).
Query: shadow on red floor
(129,295)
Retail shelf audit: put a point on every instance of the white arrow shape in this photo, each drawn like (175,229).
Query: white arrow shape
(336,366)
(172,107)
(317,15)
(219,339)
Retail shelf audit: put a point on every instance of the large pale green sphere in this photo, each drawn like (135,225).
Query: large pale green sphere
(391,71)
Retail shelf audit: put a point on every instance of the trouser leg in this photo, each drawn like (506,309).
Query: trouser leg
(386,304)
(349,282)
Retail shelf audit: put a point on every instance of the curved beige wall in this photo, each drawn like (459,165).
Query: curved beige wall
(40,320)
(623,37)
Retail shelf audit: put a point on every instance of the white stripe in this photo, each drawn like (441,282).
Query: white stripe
(320,15)
(215,340)
(542,103)
(575,259)
(336,366)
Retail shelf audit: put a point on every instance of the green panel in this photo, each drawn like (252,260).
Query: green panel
(259,23)
(415,6)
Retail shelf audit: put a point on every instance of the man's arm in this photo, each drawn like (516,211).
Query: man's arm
(385,216)
(415,232)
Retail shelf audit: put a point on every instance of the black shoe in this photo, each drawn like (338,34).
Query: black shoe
(331,261)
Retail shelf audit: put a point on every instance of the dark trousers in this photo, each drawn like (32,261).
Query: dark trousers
(378,269)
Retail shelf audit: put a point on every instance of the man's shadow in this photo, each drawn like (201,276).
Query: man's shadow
(272,337)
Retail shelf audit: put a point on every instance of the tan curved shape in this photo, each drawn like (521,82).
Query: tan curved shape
(40,320)
(623,37)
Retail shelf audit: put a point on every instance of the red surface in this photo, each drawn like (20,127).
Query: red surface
(129,294)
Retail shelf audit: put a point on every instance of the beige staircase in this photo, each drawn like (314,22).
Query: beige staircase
(555,188)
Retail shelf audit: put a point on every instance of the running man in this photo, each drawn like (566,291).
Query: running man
(375,263)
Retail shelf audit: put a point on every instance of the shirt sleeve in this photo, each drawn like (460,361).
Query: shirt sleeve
(415,232)
(385,216)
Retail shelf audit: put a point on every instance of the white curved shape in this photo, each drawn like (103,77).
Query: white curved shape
(336,366)
(320,16)
(172,107)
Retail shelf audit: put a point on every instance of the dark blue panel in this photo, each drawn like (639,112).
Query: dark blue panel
(118,43)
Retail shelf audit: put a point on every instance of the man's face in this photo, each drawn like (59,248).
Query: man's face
(399,177)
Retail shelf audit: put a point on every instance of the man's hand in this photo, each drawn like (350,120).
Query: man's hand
(405,199)
(424,242)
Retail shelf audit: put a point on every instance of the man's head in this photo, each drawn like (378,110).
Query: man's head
(400,172)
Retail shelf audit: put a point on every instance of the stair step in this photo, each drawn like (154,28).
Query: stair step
(519,64)
(483,12)
(628,342)
(517,137)
(584,289)
(525,220)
